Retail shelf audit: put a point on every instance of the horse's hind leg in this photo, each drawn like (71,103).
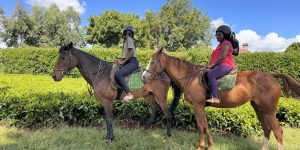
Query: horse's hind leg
(266,128)
(277,130)
(155,109)
(269,122)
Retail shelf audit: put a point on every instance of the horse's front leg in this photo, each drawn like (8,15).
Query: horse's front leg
(108,105)
(200,120)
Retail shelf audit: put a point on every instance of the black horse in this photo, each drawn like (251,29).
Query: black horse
(97,73)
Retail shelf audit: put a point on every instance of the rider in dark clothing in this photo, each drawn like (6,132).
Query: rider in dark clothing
(129,61)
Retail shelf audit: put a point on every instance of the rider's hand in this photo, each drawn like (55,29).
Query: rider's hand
(209,66)
(119,61)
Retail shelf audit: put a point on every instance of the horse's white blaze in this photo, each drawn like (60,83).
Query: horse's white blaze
(145,73)
(148,66)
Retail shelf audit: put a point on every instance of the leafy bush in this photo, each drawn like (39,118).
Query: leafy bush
(295,47)
(41,61)
(37,101)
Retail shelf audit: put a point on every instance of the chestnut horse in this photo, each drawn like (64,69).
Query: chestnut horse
(97,73)
(260,88)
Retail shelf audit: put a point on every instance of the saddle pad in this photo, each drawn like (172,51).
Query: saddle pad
(227,82)
(134,81)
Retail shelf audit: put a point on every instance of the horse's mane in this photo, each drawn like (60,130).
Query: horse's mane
(192,68)
(91,61)
(91,57)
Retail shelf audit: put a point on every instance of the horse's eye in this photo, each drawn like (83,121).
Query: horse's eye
(152,62)
(62,58)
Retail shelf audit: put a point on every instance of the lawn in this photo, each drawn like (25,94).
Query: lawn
(69,138)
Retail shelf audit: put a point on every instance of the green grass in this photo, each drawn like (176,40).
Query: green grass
(134,139)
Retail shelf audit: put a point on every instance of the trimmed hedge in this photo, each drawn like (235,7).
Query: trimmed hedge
(42,60)
(48,103)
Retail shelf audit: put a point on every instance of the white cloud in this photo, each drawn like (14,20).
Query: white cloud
(216,23)
(61,4)
(270,42)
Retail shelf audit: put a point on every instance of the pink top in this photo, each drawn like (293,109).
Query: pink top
(228,60)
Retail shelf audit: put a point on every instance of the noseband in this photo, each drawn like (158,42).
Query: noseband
(69,62)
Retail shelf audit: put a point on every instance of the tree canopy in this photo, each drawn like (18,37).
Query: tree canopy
(42,27)
(107,29)
(295,47)
(183,25)
(178,25)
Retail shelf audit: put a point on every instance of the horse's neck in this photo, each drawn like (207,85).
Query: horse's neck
(87,66)
(179,71)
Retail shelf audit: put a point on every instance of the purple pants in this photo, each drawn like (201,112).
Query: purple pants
(214,74)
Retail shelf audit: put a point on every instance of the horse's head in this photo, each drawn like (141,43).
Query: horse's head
(155,66)
(65,62)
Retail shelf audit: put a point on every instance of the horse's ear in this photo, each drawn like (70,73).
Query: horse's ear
(70,45)
(159,50)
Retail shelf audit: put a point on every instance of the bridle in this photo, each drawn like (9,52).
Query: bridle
(65,70)
(154,73)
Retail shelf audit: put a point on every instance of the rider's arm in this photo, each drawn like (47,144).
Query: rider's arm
(129,54)
(224,51)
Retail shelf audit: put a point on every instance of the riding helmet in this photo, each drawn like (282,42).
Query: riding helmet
(225,29)
(129,28)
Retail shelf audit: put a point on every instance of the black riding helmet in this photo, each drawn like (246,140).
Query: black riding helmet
(128,28)
(225,29)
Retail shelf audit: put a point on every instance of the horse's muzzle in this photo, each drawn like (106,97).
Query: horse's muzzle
(145,77)
(55,78)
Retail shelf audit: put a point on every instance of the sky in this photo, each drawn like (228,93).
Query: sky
(266,25)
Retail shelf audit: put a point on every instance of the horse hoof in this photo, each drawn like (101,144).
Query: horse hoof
(166,139)
(147,127)
(108,140)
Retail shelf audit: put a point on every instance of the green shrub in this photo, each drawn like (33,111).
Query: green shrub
(38,101)
(42,60)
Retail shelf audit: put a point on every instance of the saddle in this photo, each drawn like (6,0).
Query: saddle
(226,82)
(134,80)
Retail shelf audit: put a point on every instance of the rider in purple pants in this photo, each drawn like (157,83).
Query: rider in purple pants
(221,61)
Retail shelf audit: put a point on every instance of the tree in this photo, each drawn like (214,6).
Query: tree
(38,21)
(295,47)
(2,17)
(43,27)
(1,12)
(180,25)
(153,23)
(17,27)
(74,31)
(106,29)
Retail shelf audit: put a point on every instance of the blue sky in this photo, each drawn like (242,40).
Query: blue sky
(264,24)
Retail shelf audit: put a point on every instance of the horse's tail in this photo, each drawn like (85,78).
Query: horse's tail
(177,94)
(291,87)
